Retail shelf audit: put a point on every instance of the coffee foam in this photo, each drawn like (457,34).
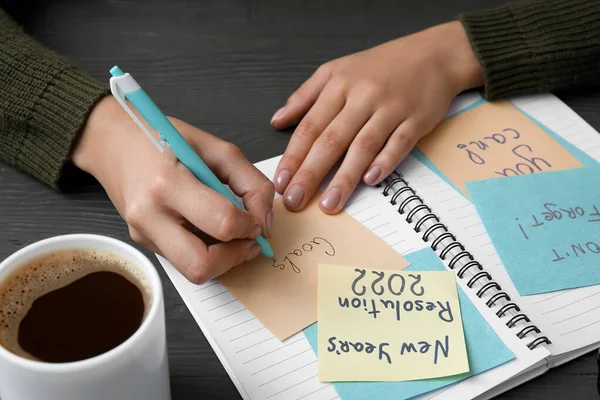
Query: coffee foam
(53,271)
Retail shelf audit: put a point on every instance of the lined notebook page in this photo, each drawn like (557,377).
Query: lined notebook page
(571,318)
(259,364)
(501,378)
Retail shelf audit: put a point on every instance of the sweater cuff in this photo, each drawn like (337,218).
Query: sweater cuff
(502,52)
(57,119)
(536,46)
(44,105)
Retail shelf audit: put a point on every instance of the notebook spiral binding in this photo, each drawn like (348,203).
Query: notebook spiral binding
(436,234)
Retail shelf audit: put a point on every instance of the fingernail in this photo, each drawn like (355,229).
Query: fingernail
(331,198)
(294,196)
(270,222)
(278,114)
(282,179)
(255,232)
(253,251)
(372,175)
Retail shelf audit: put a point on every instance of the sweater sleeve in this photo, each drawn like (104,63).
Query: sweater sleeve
(534,46)
(44,104)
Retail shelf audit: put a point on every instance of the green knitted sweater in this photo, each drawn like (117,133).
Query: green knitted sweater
(525,47)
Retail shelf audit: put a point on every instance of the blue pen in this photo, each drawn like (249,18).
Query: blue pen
(123,86)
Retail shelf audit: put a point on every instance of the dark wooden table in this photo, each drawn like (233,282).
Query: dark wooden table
(225,66)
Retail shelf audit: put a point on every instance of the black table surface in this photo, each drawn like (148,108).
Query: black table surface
(225,66)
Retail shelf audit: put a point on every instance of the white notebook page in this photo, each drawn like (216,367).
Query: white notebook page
(261,367)
(571,318)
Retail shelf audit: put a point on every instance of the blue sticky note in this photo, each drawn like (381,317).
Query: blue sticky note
(545,227)
(485,350)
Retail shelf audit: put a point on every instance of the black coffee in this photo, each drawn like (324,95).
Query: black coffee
(71,305)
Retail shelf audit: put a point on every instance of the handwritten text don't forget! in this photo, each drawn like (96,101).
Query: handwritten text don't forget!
(395,284)
(550,217)
(524,160)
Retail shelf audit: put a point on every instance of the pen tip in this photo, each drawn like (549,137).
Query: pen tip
(265,246)
(267,250)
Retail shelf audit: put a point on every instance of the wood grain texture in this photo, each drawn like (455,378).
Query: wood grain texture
(225,66)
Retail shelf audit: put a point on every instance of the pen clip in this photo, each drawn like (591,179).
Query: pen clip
(118,94)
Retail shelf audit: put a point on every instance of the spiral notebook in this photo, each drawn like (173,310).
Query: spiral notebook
(426,211)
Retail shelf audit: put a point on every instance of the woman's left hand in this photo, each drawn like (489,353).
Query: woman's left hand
(374,106)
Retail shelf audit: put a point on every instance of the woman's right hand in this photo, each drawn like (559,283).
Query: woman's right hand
(163,202)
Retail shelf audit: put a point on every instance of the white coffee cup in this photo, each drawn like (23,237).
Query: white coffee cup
(136,369)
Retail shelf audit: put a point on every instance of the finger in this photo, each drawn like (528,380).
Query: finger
(325,152)
(329,104)
(246,181)
(191,256)
(139,238)
(206,209)
(401,142)
(302,99)
(364,148)
(231,167)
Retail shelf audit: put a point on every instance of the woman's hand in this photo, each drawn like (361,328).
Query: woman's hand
(162,201)
(374,106)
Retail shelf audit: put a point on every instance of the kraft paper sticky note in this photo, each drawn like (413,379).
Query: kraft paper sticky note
(493,140)
(378,325)
(282,292)
(545,227)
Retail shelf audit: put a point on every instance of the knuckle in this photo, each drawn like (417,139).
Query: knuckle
(378,87)
(230,150)
(159,186)
(306,130)
(290,161)
(229,217)
(331,138)
(369,88)
(412,123)
(366,143)
(261,192)
(385,160)
(268,188)
(417,126)
(301,95)
(324,69)
(368,93)
(338,86)
(306,177)
(345,181)
(403,139)
(196,271)
(136,236)
(137,212)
